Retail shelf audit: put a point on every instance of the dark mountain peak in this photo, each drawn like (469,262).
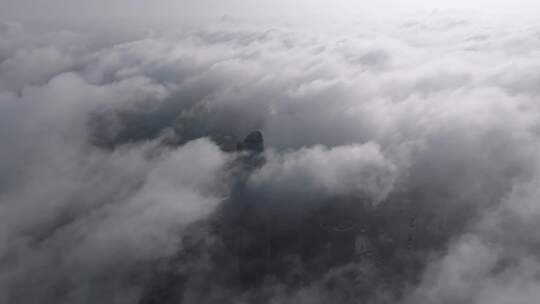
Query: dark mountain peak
(253,142)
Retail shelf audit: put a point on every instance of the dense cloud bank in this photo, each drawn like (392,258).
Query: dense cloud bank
(401,164)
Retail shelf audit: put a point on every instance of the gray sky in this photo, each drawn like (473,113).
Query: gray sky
(138,10)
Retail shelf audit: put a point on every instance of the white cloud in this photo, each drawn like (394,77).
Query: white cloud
(103,165)
(356,170)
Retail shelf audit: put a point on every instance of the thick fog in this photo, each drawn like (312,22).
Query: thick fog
(400,161)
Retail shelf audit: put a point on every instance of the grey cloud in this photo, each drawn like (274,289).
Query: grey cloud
(400,166)
(344,170)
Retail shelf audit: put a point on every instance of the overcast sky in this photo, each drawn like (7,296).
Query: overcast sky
(193,9)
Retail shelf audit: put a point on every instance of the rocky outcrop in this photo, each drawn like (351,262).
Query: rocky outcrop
(254,142)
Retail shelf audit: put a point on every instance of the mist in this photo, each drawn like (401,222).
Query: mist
(192,153)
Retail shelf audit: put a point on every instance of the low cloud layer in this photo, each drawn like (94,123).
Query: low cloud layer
(400,163)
